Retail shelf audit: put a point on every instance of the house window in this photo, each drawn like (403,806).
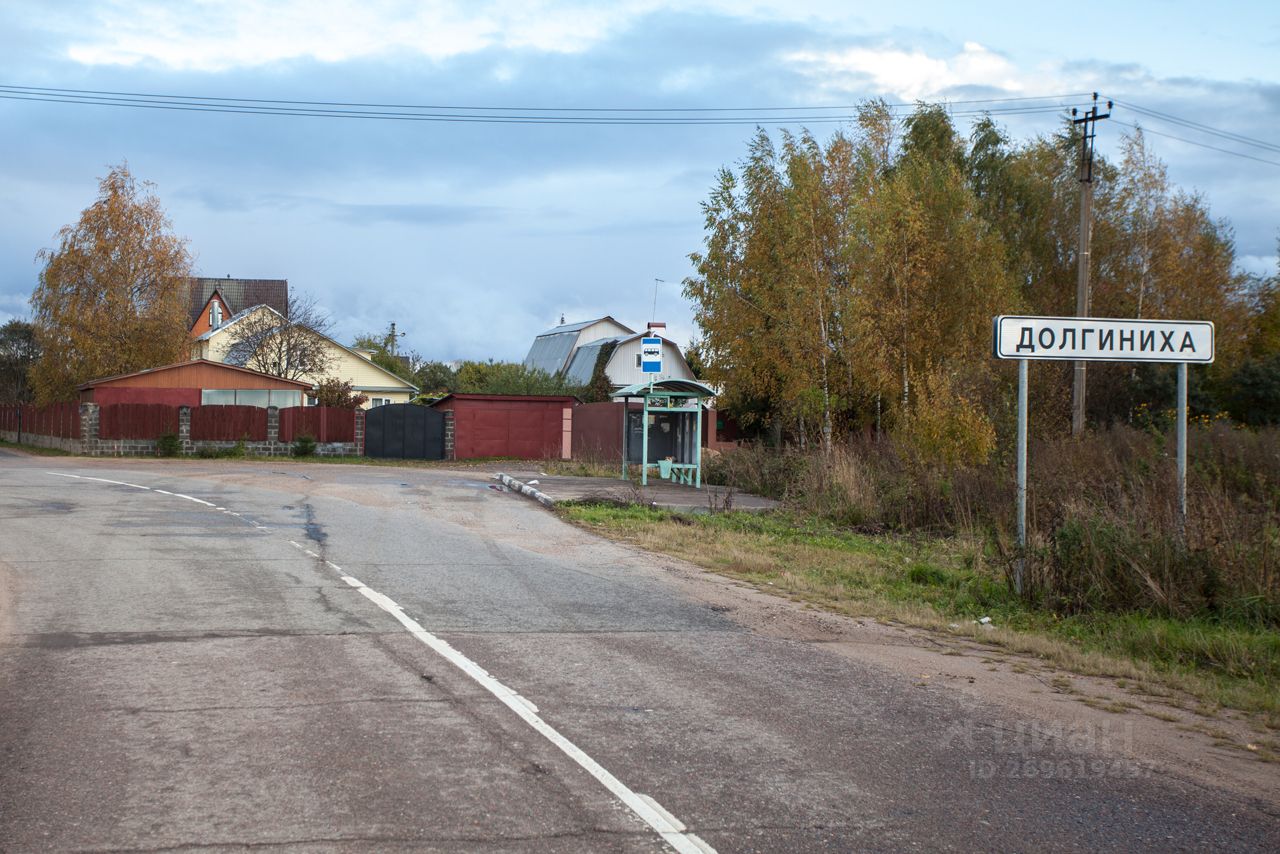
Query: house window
(638,360)
(215,315)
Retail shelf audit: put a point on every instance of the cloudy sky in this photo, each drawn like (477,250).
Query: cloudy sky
(474,236)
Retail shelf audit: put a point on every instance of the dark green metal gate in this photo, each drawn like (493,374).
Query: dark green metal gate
(404,431)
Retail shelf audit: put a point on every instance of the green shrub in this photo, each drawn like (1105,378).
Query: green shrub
(304,445)
(168,445)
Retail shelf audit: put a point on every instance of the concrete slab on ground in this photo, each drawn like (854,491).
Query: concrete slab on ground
(661,493)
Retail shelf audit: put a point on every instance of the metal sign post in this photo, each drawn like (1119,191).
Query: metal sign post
(1022,476)
(1182,452)
(1100,339)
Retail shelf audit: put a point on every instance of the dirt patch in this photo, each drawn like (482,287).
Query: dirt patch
(1210,749)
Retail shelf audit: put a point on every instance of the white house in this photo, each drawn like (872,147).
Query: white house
(572,350)
(379,385)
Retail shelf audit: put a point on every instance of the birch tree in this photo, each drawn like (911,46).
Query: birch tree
(111,296)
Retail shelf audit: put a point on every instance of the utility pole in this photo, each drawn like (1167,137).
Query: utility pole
(1089,131)
(393,340)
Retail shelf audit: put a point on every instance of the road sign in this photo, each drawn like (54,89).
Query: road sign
(1099,339)
(1103,339)
(651,355)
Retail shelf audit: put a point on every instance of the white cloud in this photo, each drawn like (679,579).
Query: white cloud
(1259,265)
(912,74)
(216,36)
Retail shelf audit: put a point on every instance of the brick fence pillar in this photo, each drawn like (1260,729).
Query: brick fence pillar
(273,425)
(89,420)
(184,429)
(449,453)
(359,432)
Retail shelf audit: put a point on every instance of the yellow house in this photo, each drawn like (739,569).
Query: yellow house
(374,382)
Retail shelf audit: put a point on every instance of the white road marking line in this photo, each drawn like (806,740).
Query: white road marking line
(648,810)
(147,488)
(99,479)
(672,831)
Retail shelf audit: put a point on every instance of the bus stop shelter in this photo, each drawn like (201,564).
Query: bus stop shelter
(668,428)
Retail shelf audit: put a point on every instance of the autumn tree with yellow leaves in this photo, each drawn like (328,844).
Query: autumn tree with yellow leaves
(850,284)
(111,297)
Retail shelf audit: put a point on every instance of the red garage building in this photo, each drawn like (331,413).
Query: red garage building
(528,427)
(196,383)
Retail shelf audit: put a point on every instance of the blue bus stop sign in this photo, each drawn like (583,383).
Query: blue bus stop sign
(651,355)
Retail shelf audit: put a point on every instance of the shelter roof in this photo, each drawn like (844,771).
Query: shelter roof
(665,387)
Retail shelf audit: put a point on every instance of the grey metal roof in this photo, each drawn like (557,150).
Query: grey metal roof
(553,352)
(583,364)
(581,325)
(550,352)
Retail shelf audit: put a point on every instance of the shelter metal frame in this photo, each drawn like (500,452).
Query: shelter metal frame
(684,391)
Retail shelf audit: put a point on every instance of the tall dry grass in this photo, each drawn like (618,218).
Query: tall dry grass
(1103,526)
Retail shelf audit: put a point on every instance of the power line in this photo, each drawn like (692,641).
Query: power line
(487,114)
(1188,123)
(473,108)
(1201,144)
(483,119)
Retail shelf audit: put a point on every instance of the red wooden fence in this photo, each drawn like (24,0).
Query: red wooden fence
(322,423)
(57,419)
(136,420)
(228,423)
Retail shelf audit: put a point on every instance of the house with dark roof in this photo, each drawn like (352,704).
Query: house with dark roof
(356,367)
(572,350)
(211,302)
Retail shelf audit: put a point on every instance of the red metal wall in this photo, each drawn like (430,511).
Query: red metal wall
(108,395)
(528,428)
(322,423)
(57,419)
(597,431)
(229,423)
(137,421)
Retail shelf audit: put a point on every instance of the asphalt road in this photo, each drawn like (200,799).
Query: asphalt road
(223,656)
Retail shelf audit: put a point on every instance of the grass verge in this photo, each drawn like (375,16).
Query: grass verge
(947,584)
(36,450)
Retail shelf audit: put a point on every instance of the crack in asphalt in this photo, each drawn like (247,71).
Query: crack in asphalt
(281,707)
(582,833)
(79,640)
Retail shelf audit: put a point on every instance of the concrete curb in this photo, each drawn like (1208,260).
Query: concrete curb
(524,489)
